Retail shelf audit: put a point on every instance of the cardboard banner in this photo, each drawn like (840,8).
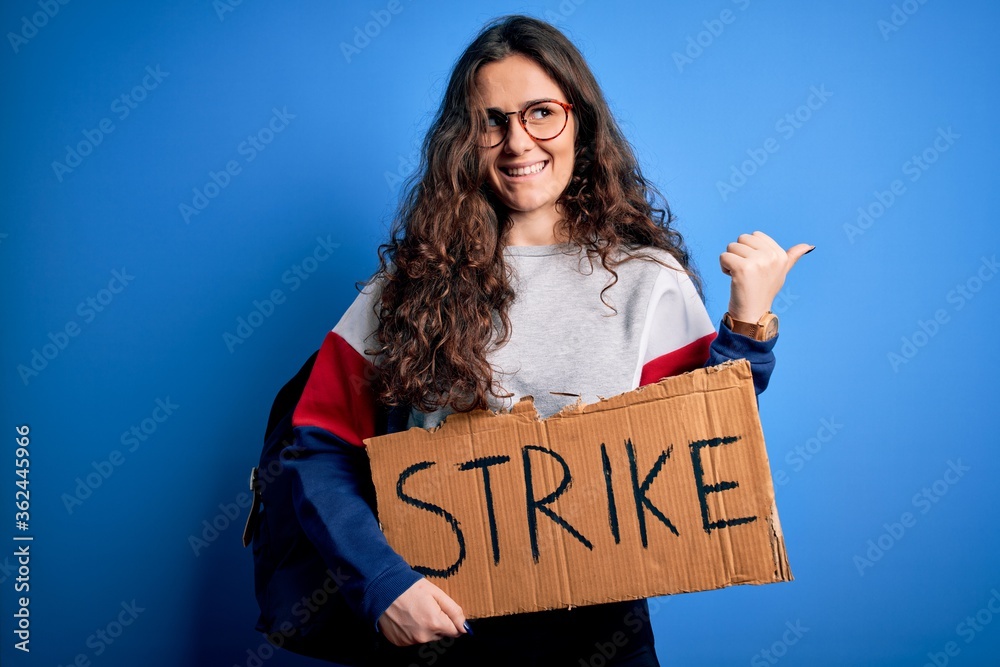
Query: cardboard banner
(663,489)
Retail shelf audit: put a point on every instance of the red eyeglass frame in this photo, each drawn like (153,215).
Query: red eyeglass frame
(524,123)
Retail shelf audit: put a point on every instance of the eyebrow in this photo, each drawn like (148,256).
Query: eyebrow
(526,104)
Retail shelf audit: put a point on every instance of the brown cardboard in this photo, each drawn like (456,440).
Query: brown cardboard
(658,423)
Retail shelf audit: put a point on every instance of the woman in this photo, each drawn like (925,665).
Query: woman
(491,292)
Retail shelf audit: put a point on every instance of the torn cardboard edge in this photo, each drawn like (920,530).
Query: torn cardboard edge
(666,387)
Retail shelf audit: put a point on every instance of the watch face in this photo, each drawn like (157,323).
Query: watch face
(771,328)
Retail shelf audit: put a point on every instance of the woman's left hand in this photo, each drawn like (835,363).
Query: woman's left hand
(758,266)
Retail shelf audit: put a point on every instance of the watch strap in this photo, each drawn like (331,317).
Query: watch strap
(756,330)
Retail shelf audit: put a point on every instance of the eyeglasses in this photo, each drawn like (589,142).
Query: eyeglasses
(542,120)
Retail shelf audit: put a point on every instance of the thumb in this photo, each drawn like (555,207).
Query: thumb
(795,253)
(450,608)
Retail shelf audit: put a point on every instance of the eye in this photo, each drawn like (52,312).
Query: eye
(495,119)
(539,112)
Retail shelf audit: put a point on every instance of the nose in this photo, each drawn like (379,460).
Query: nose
(518,140)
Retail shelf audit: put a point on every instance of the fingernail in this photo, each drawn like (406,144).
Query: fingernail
(809,251)
(467,628)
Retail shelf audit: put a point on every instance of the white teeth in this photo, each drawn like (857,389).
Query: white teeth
(524,171)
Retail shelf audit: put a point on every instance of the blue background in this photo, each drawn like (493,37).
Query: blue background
(332,172)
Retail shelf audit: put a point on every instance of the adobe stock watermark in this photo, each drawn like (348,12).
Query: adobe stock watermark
(363,35)
(565,9)
(213,527)
(784,300)
(223,7)
(121,108)
(924,500)
(797,458)
(703,39)
(294,277)
(87,310)
(913,169)
(605,650)
(248,150)
(30,25)
(968,629)
(786,126)
(229,512)
(898,17)
(303,610)
(131,440)
(6,569)
(104,637)
(958,297)
(405,165)
(779,649)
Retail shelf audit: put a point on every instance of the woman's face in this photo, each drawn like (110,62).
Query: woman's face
(507,85)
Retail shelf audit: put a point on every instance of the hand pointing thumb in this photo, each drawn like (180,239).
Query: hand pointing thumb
(796,252)
(758,266)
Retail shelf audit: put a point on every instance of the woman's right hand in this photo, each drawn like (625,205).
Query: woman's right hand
(423,613)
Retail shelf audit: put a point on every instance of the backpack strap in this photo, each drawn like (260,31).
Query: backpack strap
(254,517)
(280,416)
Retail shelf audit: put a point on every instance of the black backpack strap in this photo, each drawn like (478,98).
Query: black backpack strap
(254,517)
(281,411)
(397,418)
(288,396)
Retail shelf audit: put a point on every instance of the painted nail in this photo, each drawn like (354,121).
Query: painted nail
(809,251)
(468,628)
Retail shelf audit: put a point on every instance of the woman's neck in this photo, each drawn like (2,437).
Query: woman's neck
(534,230)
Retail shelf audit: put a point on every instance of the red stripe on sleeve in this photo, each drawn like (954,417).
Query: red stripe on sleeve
(338,396)
(683,359)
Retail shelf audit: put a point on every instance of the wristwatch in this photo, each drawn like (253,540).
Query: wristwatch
(765,328)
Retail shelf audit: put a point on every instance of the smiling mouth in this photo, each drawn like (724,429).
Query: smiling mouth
(525,171)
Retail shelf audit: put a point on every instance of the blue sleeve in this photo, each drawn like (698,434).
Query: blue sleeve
(334,500)
(729,345)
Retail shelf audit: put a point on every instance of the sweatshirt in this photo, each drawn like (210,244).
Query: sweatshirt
(565,345)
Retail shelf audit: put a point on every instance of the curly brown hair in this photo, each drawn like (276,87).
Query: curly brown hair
(448,287)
